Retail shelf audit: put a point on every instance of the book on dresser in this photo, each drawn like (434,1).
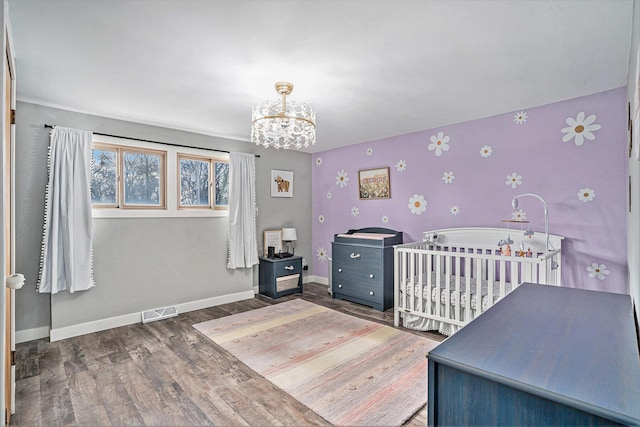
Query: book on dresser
(362,266)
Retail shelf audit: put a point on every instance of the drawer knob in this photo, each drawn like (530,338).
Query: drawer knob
(371,276)
(370,292)
(355,256)
(289,267)
(339,270)
(340,286)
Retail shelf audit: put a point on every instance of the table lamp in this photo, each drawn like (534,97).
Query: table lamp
(288,236)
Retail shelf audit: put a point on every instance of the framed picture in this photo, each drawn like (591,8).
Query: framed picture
(272,238)
(281,183)
(374,184)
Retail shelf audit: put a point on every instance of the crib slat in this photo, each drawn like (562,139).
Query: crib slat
(458,293)
(491,279)
(438,280)
(448,274)
(478,277)
(503,277)
(420,285)
(398,274)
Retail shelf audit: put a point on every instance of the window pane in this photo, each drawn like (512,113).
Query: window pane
(194,182)
(142,178)
(222,184)
(103,177)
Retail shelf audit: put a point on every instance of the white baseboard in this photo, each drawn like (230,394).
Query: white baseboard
(318,279)
(32,334)
(131,318)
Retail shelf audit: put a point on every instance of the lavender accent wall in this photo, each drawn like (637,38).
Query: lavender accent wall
(572,153)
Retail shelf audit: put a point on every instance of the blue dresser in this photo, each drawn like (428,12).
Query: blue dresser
(362,266)
(543,356)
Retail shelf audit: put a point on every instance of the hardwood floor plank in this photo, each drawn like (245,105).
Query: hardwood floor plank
(163,373)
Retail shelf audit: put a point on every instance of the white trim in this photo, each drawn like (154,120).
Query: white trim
(132,318)
(317,279)
(32,334)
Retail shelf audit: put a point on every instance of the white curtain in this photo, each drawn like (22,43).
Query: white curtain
(66,259)
(243,247)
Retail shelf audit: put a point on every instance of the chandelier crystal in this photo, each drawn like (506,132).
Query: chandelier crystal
(282,123)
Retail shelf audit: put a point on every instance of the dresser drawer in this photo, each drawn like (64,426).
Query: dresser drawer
(358,262)
(362,291)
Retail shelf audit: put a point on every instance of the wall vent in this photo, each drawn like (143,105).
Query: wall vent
(159,313)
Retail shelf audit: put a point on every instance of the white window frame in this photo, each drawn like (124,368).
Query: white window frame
(211,160)
(172,182)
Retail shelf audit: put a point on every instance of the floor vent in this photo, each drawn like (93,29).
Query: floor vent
(159,313)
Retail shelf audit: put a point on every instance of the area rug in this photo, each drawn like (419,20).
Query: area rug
(347,370)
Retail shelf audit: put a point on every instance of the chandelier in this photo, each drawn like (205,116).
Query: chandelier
(283,124)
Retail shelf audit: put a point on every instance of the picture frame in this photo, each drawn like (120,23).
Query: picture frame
(374,184)
(272,238)
(281,183)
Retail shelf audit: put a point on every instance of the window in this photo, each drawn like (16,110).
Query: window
(104,176)
(204,182)
(127,177)
(143,172)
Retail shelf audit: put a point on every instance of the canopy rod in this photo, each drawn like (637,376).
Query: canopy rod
(155,142)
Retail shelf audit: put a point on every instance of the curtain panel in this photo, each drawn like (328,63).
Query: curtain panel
(243,247)
(66,262)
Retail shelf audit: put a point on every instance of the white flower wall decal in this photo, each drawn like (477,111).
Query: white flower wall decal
(439,143)
(385,219)
(417,204)
(518,215)
(486,151)
(369,151)
(342,179)
(586,194)
(321,253)
(321,219)
(329,195)
(401,166)
(514,180)
(598,270)
(580,129)
(454,210)
(355,211)
(520,117)
(318,161)
(448,177)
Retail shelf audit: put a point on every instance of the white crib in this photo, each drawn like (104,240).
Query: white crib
(437,281)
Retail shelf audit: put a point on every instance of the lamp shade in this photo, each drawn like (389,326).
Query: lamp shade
(289,234)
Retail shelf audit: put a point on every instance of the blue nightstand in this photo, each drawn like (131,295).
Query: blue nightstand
(280,276)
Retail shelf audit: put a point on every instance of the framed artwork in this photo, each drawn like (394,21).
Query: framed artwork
(374,184)
(281,183)
(272,238)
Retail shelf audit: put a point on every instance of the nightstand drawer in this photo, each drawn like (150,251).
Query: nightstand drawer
(286,267)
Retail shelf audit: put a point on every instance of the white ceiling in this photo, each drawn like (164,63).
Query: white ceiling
(371,69)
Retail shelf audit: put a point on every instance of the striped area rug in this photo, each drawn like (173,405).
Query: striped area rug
(348,370)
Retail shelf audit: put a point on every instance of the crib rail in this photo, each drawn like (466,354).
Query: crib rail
(456,284)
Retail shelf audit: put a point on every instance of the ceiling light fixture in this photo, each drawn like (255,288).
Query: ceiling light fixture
(283,124)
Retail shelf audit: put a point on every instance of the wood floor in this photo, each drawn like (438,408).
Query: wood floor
(162,373)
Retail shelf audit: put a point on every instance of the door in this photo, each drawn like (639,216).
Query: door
(9,369)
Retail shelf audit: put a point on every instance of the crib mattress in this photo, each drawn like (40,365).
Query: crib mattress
(460,294)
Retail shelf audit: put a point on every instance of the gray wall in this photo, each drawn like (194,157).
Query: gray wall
(143,263)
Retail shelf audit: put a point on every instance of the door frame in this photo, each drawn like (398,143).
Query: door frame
(8,58)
